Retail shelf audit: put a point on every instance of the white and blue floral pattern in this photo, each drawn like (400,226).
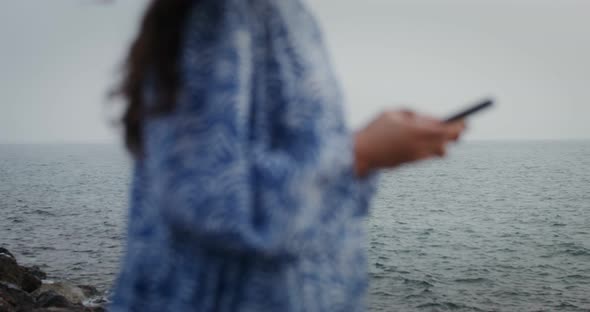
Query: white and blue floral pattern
(245,199)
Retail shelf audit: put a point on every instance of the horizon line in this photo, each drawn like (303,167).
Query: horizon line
(110,142)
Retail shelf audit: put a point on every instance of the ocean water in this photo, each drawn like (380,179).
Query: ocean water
(496,226)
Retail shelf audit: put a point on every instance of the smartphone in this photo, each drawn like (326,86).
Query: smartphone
(487,103)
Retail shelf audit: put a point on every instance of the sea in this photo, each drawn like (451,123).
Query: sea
(495,226)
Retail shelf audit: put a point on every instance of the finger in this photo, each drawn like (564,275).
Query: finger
(463,124)
(457,125)
(424,119)
(400,115)
(440,150)
(430,120)
(408,113)
(454,133)
(423,155)
(432,132)
(454,130)
(460,124)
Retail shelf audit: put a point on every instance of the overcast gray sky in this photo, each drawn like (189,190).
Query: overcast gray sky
(59,58)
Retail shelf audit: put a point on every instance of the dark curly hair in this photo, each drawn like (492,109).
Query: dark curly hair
(154,52)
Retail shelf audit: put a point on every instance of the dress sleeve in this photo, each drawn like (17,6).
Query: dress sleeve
(229,169)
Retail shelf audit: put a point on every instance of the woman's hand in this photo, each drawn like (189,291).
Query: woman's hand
(399,137)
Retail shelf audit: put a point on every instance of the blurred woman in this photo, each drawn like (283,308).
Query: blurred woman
(248,191)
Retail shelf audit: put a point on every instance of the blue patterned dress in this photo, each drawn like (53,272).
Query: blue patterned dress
(245,199)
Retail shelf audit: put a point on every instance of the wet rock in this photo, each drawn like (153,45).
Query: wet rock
(16,298)
(30,282)
(96,302)
(72,293)
(5,252)
(5,306)
(89,291)
(10,272)
(27,279)
(52,299)
(35,271)
(70,309)
(67,309)
(22,290)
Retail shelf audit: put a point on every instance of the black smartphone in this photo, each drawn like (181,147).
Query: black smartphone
(487,103)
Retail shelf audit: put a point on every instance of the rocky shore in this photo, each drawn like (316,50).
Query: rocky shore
(27,289)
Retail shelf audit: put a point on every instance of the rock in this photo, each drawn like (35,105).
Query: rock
(30,282)
(72,293)
(71,309)
(35,271)
(15,297)
(89,291)
(96,302)
(52,299)
(54,309)
(22,290)
(4,251)
(28,279)
(5,306)
(10,271)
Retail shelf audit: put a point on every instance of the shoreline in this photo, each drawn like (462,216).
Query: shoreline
(27,288)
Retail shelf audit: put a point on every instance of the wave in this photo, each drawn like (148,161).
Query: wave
(578,276)
(472,280)
(581,251)
(42,212)
(447,306)
(421,283)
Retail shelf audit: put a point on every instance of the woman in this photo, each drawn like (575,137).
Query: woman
(248,192)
